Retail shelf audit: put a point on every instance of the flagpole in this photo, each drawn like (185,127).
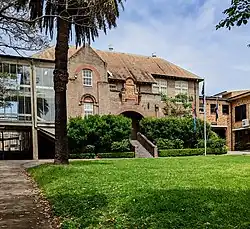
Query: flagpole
(205,120)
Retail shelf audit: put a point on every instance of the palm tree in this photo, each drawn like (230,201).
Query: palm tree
(78,20)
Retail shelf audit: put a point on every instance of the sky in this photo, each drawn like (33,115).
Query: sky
(183,32)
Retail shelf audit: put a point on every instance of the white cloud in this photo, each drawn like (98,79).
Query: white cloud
(186,38)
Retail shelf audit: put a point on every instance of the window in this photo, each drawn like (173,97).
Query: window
(240,113)
(88,108)
(161,86)
(212,108)
(45,94)
(201,108)
(44,77)
(112,87)
(181,87)
(87,78)
(16,99)
(225,109)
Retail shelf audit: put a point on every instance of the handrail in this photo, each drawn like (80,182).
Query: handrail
(148,145)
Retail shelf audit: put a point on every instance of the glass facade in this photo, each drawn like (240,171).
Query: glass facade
(15,98)
(45,95)
(15,93)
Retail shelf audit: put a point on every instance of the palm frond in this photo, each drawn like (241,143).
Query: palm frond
(86,17)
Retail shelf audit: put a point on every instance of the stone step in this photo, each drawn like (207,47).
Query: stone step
(140,151)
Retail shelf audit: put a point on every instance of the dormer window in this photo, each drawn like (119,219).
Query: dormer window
(87,78)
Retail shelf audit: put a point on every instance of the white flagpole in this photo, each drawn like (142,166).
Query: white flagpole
(205,121)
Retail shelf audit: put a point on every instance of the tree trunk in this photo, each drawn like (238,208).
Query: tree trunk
(60,86)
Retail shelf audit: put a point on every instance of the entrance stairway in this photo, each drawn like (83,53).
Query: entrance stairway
(140,151)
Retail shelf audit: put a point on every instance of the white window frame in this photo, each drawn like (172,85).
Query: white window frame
(161,87)
(87,76)
(181,87)
(88,108)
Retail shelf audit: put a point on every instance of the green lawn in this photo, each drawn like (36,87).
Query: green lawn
(191,192)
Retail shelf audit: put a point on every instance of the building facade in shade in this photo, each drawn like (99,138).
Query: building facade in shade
(100,82)
(26,105)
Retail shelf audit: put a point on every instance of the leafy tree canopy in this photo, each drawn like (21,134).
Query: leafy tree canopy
(237,14)
(179,106)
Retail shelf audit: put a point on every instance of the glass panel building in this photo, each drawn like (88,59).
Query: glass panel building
(27,108)
(45,95)
(15,88)
(15,99)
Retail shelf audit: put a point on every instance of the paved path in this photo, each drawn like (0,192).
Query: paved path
(238,153)
(21,206)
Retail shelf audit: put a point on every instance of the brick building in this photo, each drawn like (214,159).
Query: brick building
(233,117)
(107,82)
(100,82)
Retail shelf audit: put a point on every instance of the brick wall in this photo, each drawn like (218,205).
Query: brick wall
(211,117)
(87,59)
(108,101)
(237,125)
(224,120)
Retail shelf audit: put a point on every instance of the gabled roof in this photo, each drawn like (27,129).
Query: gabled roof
(235,93)
(245,93)
(123,65)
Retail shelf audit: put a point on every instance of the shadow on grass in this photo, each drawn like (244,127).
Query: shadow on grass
(188,208)
(176,208)
(79,210)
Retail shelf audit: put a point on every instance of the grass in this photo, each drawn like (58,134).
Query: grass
(191,192)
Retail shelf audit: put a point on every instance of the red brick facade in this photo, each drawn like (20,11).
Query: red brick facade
(236,132)
(111,96)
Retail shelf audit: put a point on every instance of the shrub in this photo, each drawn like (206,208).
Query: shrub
(214,143)
(123,146)
(89,149)
(169,144)
(172,128)
(190,152)
(82,156)
(99,131)
(116,155)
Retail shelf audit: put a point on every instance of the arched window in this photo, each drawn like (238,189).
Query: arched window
(87,77)
(88,106)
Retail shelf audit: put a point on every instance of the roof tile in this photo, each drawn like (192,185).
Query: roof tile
(123,65)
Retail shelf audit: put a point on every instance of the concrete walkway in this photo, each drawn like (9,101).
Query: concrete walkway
(238,153)
(21,205)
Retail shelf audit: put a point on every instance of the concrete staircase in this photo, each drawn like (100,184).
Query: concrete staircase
(140,151)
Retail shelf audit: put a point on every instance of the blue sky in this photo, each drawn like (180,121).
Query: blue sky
(183,32)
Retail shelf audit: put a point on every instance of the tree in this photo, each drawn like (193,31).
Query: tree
(237,14)
(78,20)
(178,106)
(16,31)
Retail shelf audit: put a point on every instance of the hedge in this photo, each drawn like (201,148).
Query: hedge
(190,152)
(116,155)
(172,128)
(82,156)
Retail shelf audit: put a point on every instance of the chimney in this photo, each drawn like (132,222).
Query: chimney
(111,48)
(154,54)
